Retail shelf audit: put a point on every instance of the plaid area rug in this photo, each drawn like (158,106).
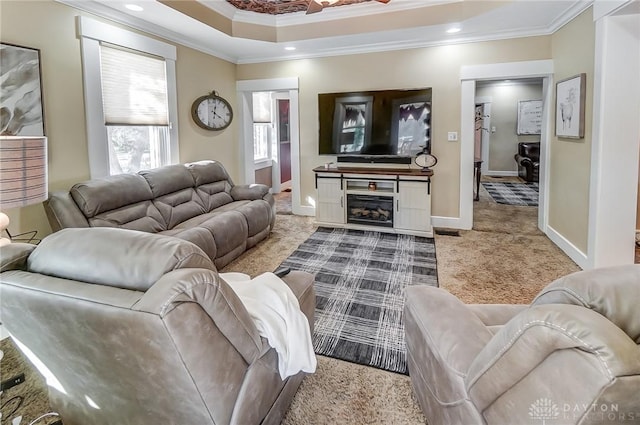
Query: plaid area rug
(360,282)
(524,194)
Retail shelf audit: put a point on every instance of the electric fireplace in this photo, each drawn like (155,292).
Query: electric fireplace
(370,210)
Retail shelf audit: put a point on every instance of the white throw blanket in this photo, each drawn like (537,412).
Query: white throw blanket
(276,313)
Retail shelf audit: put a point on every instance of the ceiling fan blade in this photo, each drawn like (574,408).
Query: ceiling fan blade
(314,7)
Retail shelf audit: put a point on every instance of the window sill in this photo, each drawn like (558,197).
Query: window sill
(263,163)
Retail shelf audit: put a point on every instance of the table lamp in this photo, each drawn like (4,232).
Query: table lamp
(23,177)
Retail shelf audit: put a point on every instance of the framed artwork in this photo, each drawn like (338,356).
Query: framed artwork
(570,98)
(21,111)
(529,117)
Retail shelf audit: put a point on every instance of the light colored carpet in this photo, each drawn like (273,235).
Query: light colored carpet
(504,259)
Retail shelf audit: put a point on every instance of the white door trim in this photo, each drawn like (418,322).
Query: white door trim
(614,145)
(468,76)
(245,88)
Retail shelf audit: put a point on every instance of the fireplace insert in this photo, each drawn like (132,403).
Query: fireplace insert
(370,210)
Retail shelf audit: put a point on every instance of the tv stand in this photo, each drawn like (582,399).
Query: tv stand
(381,199)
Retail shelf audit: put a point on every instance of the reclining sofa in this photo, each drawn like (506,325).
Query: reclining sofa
(196,202)
(135,328)
(571,357)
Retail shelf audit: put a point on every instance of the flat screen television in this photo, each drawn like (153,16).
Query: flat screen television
(383,123)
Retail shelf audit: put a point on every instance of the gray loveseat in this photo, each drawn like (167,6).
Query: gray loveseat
(197,202)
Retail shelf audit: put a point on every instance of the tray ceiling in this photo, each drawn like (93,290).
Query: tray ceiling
(356,26)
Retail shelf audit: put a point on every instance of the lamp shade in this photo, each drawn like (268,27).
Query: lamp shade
(23,171)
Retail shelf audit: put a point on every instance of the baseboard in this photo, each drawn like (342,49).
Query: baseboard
(500,173)
(304,210)
(447,222)
(578,257)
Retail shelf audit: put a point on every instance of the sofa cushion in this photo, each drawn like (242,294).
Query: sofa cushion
(199,219)
(258,215)
(229,230)
(205,172)
(200,236)
(96,196)
(168,179)
(72,253)
(179,206)
(142,216)
(212,182)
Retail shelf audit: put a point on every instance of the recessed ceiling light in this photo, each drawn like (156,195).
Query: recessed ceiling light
(290,48)
(134,7)
(454,30)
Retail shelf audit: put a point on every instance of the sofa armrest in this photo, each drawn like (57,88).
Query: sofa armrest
(62,212)
(435,318)
(301,283)
(215,297)
(536,336)
(249,192)
(524,161)
(14,256)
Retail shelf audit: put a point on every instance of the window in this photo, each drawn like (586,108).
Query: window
(130,99)
(262,126)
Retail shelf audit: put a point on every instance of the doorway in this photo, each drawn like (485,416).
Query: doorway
(283,89)
(507,132)
(471,76)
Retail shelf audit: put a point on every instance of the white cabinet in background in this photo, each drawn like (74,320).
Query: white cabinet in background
(343,193)
(330,202)
(413,207)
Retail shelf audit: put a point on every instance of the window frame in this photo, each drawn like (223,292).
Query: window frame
(91,33)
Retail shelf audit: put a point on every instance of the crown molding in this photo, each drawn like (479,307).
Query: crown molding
(413,39)
(122,18)
(398,45)
(570,14)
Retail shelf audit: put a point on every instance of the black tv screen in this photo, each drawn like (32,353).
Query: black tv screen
(375,123)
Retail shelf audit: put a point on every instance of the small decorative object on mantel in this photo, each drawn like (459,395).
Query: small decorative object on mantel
(425,160)
(212,112)
(372,186)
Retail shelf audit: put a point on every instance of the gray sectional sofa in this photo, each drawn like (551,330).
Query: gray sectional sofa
(197,202)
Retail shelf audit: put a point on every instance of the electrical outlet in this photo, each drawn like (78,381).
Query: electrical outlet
(452,136)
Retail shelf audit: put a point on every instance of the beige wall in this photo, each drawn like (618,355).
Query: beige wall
(50,27)
(436,67)
(503,144)
(573,49)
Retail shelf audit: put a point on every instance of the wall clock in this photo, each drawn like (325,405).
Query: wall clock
(212,112)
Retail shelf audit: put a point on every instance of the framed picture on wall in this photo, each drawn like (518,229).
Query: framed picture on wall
(529,117)
(570,98)
(21,111)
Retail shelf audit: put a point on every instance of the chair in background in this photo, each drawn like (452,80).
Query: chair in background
(528,159)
